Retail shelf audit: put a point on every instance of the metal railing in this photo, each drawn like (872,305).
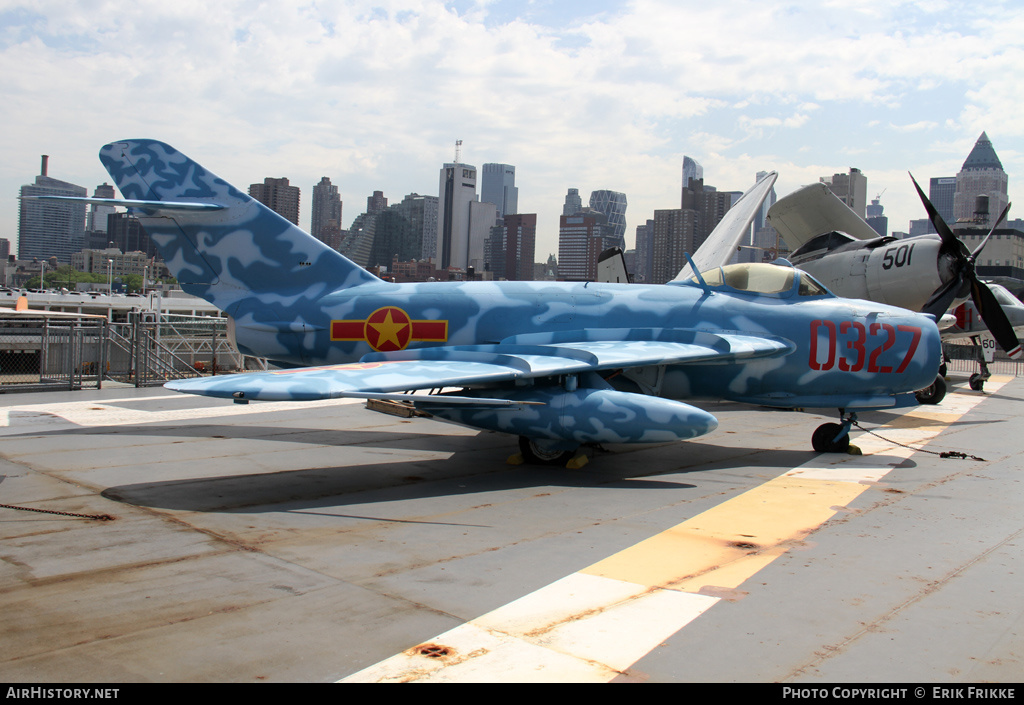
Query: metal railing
(152,349)
(79,352)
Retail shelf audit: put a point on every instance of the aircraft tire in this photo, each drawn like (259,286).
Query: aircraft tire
(977,382)
(933,394)
(535,455)
(823,439)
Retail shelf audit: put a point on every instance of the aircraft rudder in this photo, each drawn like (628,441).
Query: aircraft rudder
(223,255)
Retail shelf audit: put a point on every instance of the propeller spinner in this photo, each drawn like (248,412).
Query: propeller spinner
(963,278)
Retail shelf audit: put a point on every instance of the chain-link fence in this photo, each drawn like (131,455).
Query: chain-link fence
(51,353)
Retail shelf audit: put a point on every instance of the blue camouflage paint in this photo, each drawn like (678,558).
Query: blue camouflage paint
(515,340)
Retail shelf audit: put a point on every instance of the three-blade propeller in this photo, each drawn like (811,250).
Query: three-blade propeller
(964,278)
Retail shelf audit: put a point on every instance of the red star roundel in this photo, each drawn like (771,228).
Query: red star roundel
(389,328)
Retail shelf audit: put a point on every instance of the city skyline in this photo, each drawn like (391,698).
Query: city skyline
(589,96)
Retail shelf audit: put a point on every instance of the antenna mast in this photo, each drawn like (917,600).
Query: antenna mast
(458,151)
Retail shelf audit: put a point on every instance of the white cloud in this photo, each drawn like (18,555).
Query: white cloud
(375,96)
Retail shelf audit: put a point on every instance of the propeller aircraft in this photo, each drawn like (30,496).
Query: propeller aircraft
(926,273)
(558,364)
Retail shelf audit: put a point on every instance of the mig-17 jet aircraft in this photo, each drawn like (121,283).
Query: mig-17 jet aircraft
(559,364)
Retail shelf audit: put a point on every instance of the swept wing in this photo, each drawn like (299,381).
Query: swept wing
(386,375)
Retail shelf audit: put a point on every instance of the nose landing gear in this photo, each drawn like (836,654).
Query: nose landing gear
(834,437)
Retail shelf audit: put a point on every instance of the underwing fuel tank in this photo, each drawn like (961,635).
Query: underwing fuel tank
(582,416)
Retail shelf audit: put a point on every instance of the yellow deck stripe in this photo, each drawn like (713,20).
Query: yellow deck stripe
(594,624)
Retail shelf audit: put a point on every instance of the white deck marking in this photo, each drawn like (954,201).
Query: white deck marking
(591,626)
(107,413)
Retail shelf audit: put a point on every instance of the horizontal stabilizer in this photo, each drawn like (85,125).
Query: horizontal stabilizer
(129,203)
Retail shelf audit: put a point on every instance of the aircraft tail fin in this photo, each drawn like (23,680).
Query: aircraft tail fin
(220,243)
(723,241)
(611,267)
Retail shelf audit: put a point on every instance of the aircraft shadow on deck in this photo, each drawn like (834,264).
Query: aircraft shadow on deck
(487,471)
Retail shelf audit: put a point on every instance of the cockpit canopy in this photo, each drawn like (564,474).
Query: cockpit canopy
(833,241)
(760,278)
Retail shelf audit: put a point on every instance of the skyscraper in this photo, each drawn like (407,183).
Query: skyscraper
(573,202)
(941,192)
(463,222)
(675,232)
(498,186)
(326,207)
(850,188)
(691,170)
(50,229)
(512,245)
(96,220)
(875,218)
(581,239)
(613,205)
(981,175)
(278,196)
(644,252)
(376,203)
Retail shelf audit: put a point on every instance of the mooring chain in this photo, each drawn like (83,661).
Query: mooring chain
(942,454)
(97,517)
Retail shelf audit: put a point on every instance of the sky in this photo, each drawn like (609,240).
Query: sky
(589,95)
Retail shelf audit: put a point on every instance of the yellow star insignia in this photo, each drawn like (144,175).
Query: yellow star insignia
(388,330)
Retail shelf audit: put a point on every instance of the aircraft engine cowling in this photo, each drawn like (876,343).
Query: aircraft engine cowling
(582,416)
(906,273)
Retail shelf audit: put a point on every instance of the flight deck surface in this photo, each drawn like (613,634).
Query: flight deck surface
(320,542)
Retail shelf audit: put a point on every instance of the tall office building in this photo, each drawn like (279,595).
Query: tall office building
(573,203)
(402,228)
(96,220)
(581,239)
(850,188)
(613,205)
(875,218)
(326,208)
(941,192)
(48,230)
(278,196)
(126,234)
(421,212)
(463,222)
(675,233)
(981,175)
(691,170)
(396,238)
(498,186)
(644,260)
(376,203)
(710,206)
(511,247)
(357,241)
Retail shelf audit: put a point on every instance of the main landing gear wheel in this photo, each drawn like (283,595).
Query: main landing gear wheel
(535,455)
(932,394)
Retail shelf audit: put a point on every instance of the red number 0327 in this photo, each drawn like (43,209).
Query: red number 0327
(851,346)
